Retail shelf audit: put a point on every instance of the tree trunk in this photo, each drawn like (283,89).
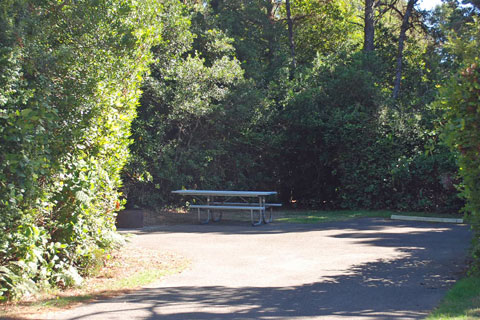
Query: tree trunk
(290,37)
(369,26)
(272,9)
(401,45)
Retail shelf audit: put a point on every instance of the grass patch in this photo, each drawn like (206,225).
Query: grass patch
(317,216)
(126,270)
(60,302)
(461,302)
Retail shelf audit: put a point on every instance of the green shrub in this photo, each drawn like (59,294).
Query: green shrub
(193,119)
(345,147)
(69,83)
(461,100)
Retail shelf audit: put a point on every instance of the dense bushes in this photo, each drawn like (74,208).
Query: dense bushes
(344,147)
(461,98)
(331,141)
(329,137)
(193,120)
(69,84)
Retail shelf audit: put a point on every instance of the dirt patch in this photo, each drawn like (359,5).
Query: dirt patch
(168,217)
(125,270)
(151,218)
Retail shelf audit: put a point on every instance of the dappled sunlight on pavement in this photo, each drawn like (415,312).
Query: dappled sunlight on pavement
(362,269)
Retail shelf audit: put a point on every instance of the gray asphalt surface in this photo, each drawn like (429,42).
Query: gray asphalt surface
(360,269)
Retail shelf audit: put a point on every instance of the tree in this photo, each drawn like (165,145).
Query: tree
(256,34)
(70,74)
(369,26)
(401,45)
(192,117)
(460,101)
(370,19)
(474,3)
(290,36)
(324,28)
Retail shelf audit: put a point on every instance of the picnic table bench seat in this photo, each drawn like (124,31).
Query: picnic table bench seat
(267,205)
(210,205)
(237,206)
(267,219)
(220,207)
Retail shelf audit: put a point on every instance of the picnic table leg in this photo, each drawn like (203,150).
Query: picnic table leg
(208,210)
(260,213)
(218,218)
(208,214)
(200,218)
(212,213)
(261,203)
(259,220)
(270,218)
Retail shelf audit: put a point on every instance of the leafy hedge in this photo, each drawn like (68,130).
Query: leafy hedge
(461,99)
(70,73)
(326,139)
(343,146)
(193,118)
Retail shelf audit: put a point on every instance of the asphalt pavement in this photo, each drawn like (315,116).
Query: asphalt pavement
(358,269)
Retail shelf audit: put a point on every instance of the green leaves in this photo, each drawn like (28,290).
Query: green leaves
(70,76)
(461,100)
(193,113)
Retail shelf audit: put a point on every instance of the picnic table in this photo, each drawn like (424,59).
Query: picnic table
(222,200)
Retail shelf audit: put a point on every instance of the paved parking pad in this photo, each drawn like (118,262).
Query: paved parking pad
(359,269)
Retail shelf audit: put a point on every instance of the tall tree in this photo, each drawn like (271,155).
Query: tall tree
(369,26)
(255,31)
(324,28)
(371,17)
(401,45)
(474,3)
(290,37)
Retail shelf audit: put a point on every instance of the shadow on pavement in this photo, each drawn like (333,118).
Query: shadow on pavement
(243,228)
(404,288)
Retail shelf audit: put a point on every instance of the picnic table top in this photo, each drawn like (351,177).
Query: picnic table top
(225,193)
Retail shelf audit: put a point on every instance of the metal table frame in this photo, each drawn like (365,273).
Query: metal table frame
(208,197)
